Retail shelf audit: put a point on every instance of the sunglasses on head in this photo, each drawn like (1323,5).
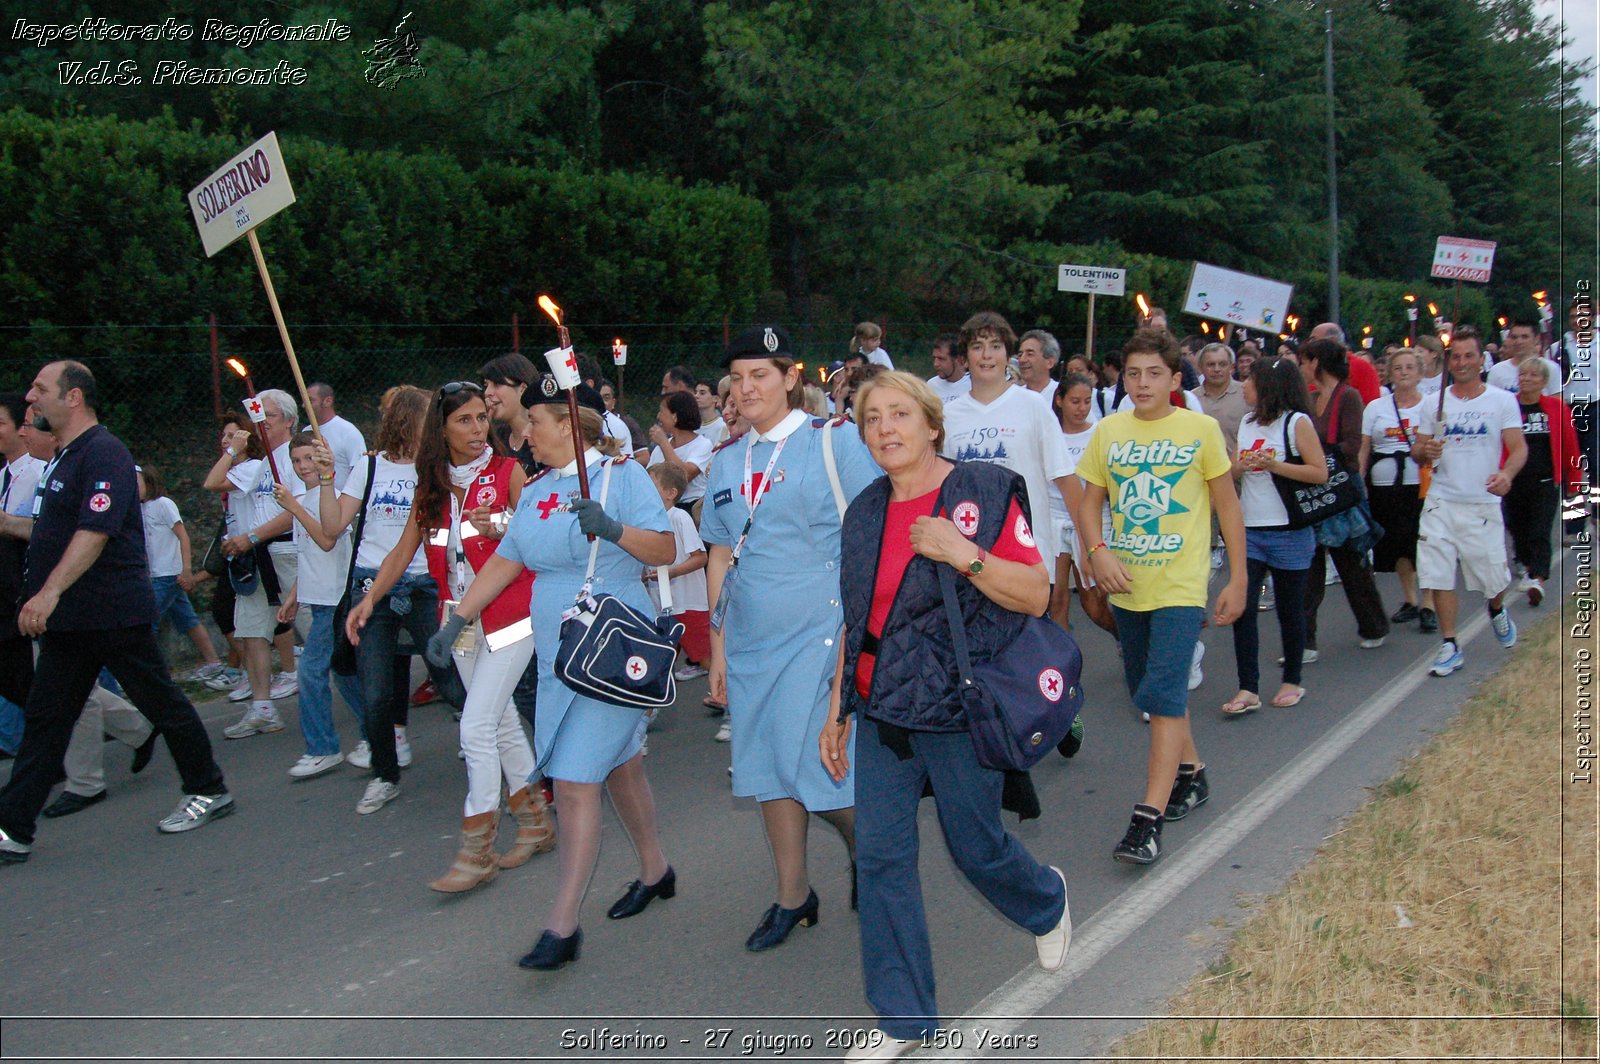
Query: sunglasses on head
(459,386)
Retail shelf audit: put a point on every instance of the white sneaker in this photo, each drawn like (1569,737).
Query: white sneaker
(1535,590)
(1528,583)
(284,684)
(207,672)
(1052,946)
(1197,675)
(361,756)
(241,690)
(1307,657)
(402,748)
(688,671)
(315,765)
(379,793)
(1373,644)
(257,720)
(725,731)
(1332,577)
(299,650)
(226,679)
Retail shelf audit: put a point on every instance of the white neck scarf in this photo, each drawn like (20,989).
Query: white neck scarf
(462,476)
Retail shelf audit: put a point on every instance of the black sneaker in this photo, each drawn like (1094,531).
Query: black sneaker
(1427,620)
(1072,742)
(1405,613)
(1188,794)
(1142,844)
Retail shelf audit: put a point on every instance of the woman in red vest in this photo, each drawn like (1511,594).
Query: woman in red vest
(464,499)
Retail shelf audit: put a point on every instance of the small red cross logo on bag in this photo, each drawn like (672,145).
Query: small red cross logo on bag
(637,668)
(548,506)
(965,517)
(1051,683)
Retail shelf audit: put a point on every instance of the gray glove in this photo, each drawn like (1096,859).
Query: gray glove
(437,652)
(594,520)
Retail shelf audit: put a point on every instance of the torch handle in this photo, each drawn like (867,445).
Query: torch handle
(261,434)
(283,335)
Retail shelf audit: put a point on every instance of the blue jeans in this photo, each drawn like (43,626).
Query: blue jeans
(896,958)
(384,700)
(10,726)
(174,601)
(316,697)
(1157,647)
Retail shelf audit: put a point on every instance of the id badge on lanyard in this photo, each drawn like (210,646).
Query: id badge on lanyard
(755,497)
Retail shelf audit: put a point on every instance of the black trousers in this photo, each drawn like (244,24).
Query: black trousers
(16,669)
(68,664)
(1360,589)
(1530,509)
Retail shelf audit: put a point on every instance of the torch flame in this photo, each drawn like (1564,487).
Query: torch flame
(1409,298)
(238,367)
(616,343)
(1433,310)
(1144,305)
(1366,330)
(1540,296)
(1501,320)
(1205,327)
(548,305)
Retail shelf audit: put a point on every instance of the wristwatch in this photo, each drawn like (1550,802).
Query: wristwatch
(975,566)
(255,540)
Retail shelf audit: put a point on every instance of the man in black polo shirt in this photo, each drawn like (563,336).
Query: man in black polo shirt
(86,597)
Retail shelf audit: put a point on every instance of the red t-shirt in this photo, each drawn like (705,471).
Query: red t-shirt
(1364,379)
(1015,545)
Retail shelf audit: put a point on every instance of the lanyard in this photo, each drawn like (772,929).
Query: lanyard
(44,481)
(457,548)
(750,492)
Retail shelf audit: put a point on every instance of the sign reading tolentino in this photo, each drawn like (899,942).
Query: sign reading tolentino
(248,189)
(1456,258)
(1091,280)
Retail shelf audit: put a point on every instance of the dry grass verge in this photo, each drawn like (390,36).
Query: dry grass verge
(1431,925)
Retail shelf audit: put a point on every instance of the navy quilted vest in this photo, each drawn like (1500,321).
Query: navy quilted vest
(914,681)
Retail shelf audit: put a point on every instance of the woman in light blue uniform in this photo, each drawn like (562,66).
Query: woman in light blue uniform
(773,658)
(579,742)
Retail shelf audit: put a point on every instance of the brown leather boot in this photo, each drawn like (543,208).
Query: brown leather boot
(535,833)
(475,863)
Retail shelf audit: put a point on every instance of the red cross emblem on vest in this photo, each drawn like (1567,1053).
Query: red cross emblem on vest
(548,506)
(965,517)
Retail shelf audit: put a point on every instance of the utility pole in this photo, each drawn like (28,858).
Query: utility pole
(1333,171)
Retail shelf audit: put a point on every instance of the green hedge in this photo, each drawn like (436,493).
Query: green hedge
(381,251)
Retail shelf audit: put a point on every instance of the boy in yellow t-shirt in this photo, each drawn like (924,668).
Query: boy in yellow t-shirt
(1164,470)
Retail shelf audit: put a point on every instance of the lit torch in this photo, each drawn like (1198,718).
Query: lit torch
(564,364)
(258,415)
(1144,307)
(619,358)
(1411,319)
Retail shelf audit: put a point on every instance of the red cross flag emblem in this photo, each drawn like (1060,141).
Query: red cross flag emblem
(100,502)
(485,495)
(637,668)
(548,506)
(253,407)
(1052,684)
(965,516)
(1023,533)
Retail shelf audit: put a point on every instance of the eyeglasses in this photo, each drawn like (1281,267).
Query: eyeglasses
(459,386)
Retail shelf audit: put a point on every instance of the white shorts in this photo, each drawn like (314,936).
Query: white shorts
(253,616)
(1471,533)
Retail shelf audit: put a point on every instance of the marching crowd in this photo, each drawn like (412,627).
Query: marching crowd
(830,544)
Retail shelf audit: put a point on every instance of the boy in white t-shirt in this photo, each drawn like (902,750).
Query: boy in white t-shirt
(324,566)
(687,574)
(166,548)
(1461,518)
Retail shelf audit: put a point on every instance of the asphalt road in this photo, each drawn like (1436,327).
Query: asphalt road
(296,929)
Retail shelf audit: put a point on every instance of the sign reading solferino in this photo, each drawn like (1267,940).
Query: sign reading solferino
(247,190)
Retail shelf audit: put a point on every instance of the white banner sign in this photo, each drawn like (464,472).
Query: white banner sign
(1091,280)
(249,188)
(1258,303)
(1456,258)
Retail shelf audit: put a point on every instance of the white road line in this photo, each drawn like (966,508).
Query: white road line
(1029,991)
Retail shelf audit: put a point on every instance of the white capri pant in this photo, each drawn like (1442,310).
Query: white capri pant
(491,729)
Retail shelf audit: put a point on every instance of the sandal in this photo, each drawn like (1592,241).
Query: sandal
(1238,707)
(1284,700)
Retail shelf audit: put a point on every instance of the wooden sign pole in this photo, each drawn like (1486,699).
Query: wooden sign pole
(283,333)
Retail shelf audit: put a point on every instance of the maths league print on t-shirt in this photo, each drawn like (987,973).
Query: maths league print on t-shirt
(1145,498)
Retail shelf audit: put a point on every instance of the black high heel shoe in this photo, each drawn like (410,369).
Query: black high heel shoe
(552,951)
(638,896)
(778,922)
